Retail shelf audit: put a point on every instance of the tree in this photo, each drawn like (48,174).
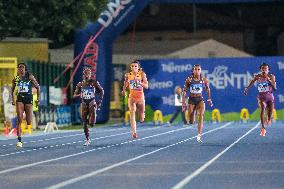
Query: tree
(52,19)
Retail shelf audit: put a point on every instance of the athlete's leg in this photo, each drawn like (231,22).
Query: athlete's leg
(132,109)
(262,106)
(20,110)
(191,109)
(92,113)
(141,110)
(270,108)
(85,111)
(29,114)
(200,108)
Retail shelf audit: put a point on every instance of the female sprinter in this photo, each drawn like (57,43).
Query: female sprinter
(265,84)
(135,80)
(87,90)
(24,102)
(196,83)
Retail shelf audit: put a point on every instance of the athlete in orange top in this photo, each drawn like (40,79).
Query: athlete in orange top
(135,81)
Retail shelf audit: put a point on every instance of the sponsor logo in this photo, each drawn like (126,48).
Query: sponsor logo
(153,84)
(171,67)
(91,58)
(220,79)
(112,11)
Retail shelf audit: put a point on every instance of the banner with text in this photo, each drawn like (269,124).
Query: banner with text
(227,78)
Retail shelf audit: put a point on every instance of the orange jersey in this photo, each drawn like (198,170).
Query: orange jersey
(134,83)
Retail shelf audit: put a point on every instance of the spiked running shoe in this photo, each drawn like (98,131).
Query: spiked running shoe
(198,138)
(263,132)
(88,142)
(19,145)
(134,135)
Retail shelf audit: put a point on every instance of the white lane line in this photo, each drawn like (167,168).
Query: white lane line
(80,141)
(94,173)
(68,136)
(84,152)
(187,179)
(95,130)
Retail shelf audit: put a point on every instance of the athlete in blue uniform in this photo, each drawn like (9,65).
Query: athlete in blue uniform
(196,83)
(87,90)
(24,103)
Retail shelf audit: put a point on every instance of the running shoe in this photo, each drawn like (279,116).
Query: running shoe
(263,132)
(198,138)
(88,142)
(134,135)
(19,145)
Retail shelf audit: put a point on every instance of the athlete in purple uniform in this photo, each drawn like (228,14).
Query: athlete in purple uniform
(265,84)
(196,83)
(87,90)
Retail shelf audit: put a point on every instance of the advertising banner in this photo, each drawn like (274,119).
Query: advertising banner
(227,78)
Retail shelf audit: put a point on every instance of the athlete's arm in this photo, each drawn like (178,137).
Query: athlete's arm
(101,93)
(144,82)
(36,85)
(12,91)
(207,88)
(250,84)
(77,91)
(271,80)
(125,84)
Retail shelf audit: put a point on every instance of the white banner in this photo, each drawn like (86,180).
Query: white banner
(9,109)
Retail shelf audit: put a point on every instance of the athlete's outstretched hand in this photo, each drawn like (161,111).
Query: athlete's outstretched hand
(123,93)
(210,102)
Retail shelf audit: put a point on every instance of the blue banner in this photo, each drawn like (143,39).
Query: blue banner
(63,115)
(227,78)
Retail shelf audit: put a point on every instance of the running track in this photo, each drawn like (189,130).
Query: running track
(232,155)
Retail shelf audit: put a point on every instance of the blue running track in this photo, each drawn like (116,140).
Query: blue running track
(232,155)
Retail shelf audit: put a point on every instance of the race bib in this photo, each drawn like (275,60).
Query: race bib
(88,93)
(135,85)
(23,87)
(263,87)
(196,88)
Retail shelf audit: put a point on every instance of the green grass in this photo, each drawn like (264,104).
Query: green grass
(230,116)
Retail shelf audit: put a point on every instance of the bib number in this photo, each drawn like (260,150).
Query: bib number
(135,85)
(263,87)
(196,88)
(23,88)
(88,93)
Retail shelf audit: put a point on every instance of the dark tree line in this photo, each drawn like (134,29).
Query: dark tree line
(52,19)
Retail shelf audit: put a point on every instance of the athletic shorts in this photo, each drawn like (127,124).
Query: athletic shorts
(195,100)
(25,99)
(266,97)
